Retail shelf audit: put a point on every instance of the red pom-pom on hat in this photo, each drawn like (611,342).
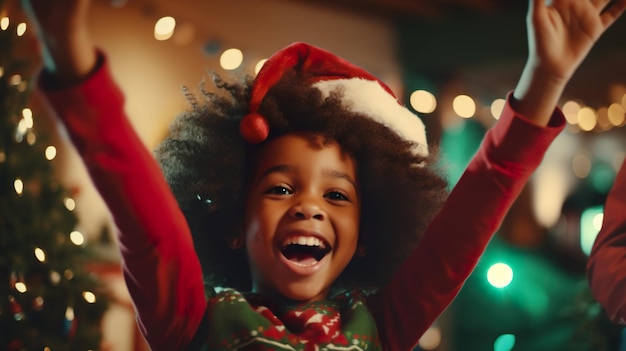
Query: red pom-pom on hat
(254,128)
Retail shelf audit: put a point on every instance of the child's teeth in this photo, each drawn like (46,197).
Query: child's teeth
(305,240)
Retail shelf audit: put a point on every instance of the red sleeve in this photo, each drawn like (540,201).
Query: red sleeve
(435,272)
(160,266)
(607,261)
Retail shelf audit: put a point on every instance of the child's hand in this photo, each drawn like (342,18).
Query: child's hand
(61,26)
(561,34)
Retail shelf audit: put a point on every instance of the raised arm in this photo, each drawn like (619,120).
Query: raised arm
(161,269)
(68,51)
(560,36)
(606,268)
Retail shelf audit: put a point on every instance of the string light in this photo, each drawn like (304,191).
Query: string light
(4,23)
(89,296)
(27,114)
(21,29)
(164,28)
(570,110)
(40,255)
(464,106)
(77,238)
(504,342)
(587,119)
(431,339)
(55,277)
(259,65)
(18,185)
(500,275)
(616,114)
(69,203)
(31,138)
(231,59)
(423,101)
(21,287)
(16,79)
(496,108)
(69,313)
(51,153)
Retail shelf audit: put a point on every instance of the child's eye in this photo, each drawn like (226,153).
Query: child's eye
(279,190)
(337,196)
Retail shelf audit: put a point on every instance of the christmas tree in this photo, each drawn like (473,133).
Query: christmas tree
(48,298)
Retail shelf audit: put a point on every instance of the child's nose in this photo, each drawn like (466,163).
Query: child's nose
(307,209)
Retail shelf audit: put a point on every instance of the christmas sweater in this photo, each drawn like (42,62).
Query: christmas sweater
(163,273)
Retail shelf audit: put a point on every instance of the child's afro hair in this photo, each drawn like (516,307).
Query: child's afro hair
(206,163)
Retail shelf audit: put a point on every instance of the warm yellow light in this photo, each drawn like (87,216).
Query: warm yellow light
(21,29)
(22,127)
(259,65)
(616,114)
(4,23)
(21,287)
(16,79)
(31,138)
(40,255)
(423,101)
(18,185)
(496,108)
(464,106)
(89,296)
(231,59)
(51,152)
(27,114)
(70,204)
(69,313)
(164,28)
(570,110)
(587,119)
(431,339)
(77,238)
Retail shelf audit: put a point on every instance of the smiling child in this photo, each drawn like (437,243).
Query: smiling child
(308,195)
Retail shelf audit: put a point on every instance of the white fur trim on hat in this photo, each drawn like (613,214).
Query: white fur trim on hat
(367,97)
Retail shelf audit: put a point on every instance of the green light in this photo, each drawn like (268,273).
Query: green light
(504,342)
(500,275)
(590,224)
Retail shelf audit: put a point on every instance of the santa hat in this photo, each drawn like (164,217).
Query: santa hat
(361,93)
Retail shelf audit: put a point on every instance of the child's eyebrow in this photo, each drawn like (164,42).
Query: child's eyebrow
(341,175)
(276,169)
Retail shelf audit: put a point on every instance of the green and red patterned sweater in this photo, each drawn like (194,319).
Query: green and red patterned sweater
(244,322)
(163,273)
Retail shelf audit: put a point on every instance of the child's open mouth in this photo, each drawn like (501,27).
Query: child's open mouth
(304,250)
